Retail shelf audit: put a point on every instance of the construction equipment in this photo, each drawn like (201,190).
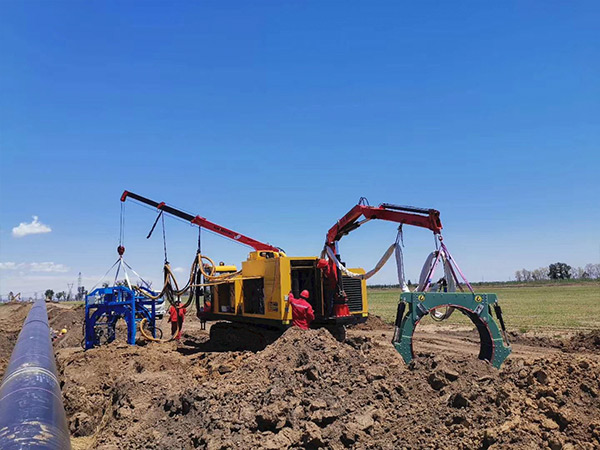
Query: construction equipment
(342,283)
(14,298)
(137,305)
(477,307)
(105,306)
(258,293)
(413,306)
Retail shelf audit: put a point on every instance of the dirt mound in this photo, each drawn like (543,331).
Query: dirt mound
(584,341)
(12,316)
(7,343)
(70,318)
(373,323)
(123,386)
(306,390)
(579,342)
(536,341)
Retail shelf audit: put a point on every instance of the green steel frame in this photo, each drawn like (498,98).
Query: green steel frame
(478,307)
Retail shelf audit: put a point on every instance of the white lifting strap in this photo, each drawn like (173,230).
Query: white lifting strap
(367,275)
(423,278)
(426,278)
(448,273)
(425,272)
(400,265)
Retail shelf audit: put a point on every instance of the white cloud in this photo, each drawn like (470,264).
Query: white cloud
(35,267)
(47,267)
(11,266)
(178,269)
(35,227)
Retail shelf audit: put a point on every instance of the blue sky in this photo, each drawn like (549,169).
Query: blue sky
(273,118)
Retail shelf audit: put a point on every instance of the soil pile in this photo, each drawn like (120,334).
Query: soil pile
(7,343)
(584,342)
(11,320)
(306,390)
(373,323)
(71,319)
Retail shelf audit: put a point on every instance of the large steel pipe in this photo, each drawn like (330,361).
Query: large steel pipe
(32,415)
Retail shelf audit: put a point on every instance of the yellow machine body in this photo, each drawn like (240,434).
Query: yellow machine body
(260,293)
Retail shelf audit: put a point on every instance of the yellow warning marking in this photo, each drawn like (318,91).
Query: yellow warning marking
(421,298)
(478,298)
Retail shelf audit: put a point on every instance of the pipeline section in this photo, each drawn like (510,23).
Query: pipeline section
(32,415)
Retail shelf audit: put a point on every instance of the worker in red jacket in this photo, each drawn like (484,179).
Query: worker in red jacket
(302,311)
(176,316)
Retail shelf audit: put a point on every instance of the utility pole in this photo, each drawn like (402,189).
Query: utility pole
(80,294)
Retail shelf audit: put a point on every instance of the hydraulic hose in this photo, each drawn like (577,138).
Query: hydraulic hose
(170,288)
(32,415)
(149,336)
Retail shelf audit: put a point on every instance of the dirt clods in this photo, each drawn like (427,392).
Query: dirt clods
(585,341)
(373,323)
(307,390)
(71,319)
(12,316)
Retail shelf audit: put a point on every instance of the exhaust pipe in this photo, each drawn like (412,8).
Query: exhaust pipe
(32,415)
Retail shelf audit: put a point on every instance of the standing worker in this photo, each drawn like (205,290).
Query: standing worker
(302,311)
(176,316)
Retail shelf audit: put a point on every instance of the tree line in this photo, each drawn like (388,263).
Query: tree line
(559,271)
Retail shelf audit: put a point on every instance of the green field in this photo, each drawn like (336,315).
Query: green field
(525,307)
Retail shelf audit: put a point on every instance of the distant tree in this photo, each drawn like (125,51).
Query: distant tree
(61,295)
(592,270)
(559,271)
(518,276)
(49,294)
(526,275)
(540,274)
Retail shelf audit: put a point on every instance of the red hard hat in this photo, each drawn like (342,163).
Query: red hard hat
(304,294)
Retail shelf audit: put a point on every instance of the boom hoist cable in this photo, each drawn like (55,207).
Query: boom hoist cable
(202,267)
(170,288)
(202,271)
(198,267)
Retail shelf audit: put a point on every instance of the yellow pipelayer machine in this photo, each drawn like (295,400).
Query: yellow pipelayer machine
(257,294)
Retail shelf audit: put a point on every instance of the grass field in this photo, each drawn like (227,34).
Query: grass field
(525,307)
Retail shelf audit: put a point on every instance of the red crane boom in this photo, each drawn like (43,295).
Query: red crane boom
(419,217)
(202,222)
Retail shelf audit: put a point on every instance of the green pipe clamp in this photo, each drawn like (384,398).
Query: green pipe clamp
(477,307)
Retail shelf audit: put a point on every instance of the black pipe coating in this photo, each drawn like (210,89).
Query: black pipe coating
(32,415)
